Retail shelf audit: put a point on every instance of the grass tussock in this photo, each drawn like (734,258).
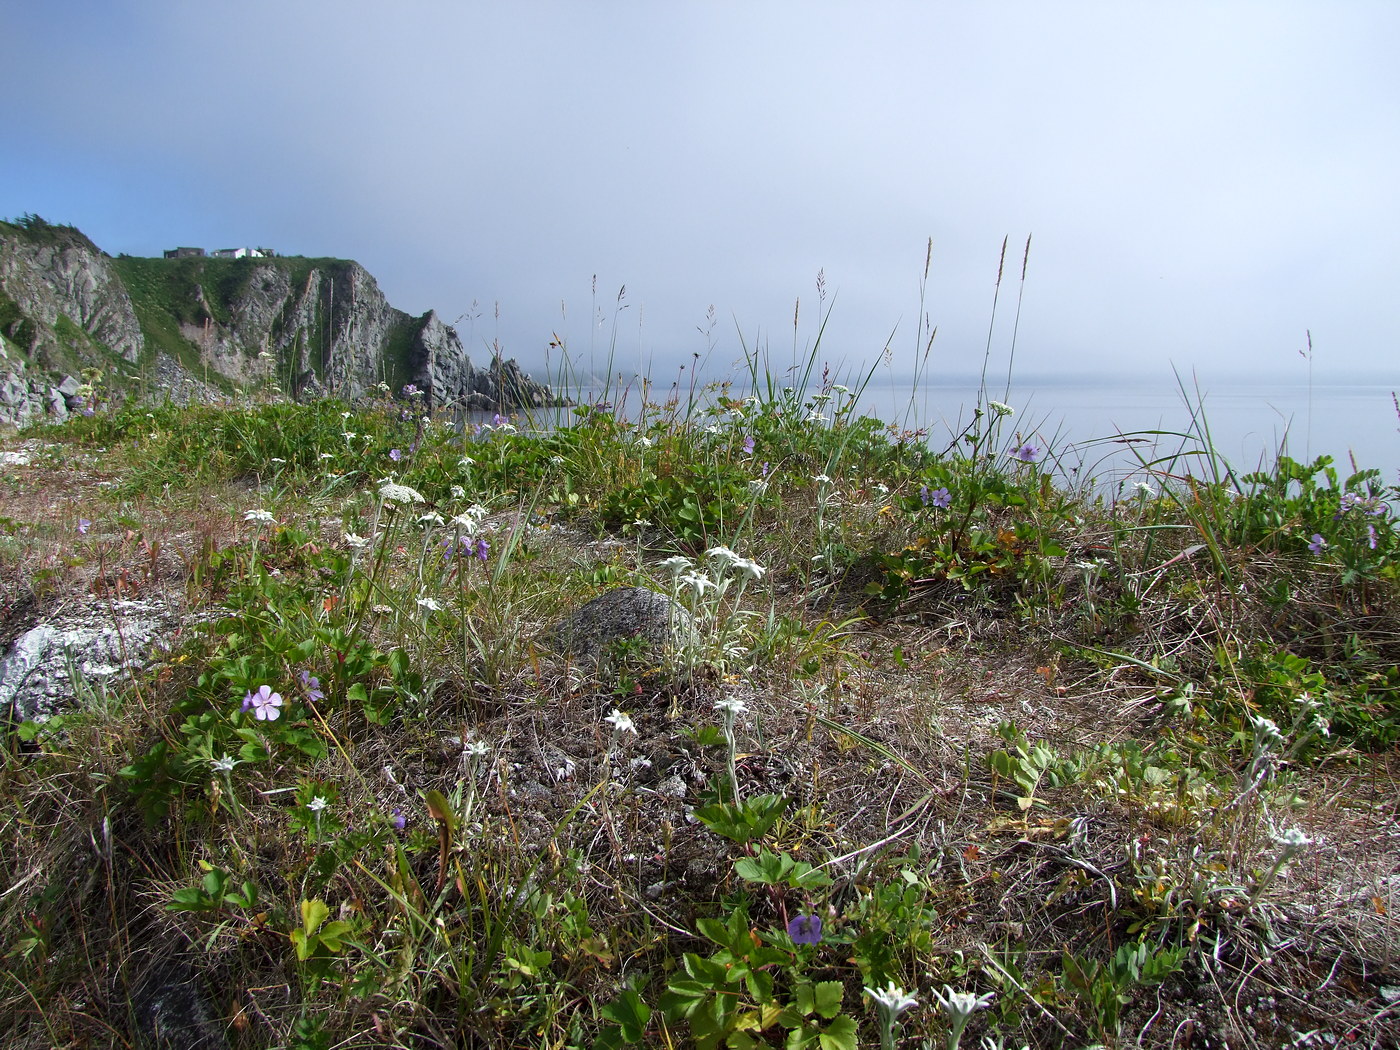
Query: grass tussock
(953,751)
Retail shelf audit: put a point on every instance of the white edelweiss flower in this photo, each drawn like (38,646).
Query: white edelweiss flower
(748,567)
(722,554)
(1000,408)
(356,542)
(646,442)
(1293,839)
(466,461)
(758,487)
(700,584)
(893,998)
(393,492)
(317,804)
(458,492)
(676,564)
(261,516)
(477,749)
(224,763)
(431,518)
(621,721)
(731,706)
(428,604)
(558,461)
(821,479)
(345,415)
(325,455)
(814,417)
(1145,490)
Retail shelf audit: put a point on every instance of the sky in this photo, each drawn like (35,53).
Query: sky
(1202,184)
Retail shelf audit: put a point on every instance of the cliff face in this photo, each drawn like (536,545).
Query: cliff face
(52,273)
(309,327)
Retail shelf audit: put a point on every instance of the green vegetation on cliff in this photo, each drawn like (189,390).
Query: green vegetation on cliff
(940,741)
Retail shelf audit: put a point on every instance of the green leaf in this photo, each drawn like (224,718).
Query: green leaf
(839,1035)
(313,913)
(630,1013)
(828,998)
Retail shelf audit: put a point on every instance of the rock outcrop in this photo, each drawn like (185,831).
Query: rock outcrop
(618,615)
(194,325)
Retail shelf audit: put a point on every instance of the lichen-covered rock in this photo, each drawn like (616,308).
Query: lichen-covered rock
(619,615)
(50,664)
(172,1011)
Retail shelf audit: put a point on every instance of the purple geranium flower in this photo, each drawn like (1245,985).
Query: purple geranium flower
(1317,544)
(84,525)
(1027,453)
(264,704)
(748,445)
(805,929)
(395,455)
(939,497)
(482,549)
(398,820)
(313,686)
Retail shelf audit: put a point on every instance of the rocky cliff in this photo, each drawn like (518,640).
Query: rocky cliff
(195,327)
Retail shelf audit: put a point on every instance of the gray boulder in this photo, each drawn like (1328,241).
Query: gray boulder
(619,615)
(53,663)
(172,1011)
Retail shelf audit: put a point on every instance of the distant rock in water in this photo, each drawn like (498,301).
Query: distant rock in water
(196,327)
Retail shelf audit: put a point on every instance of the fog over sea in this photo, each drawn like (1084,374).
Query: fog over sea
(1250,419)
(1077,419)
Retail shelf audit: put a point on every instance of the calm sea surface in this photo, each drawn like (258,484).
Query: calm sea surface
(1081,423)
(1249,421)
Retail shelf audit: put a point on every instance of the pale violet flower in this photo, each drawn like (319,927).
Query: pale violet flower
(264,704)
(621,721)
(393,492)
(262,517)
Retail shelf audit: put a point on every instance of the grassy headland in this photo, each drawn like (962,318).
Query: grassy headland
(1090,768)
